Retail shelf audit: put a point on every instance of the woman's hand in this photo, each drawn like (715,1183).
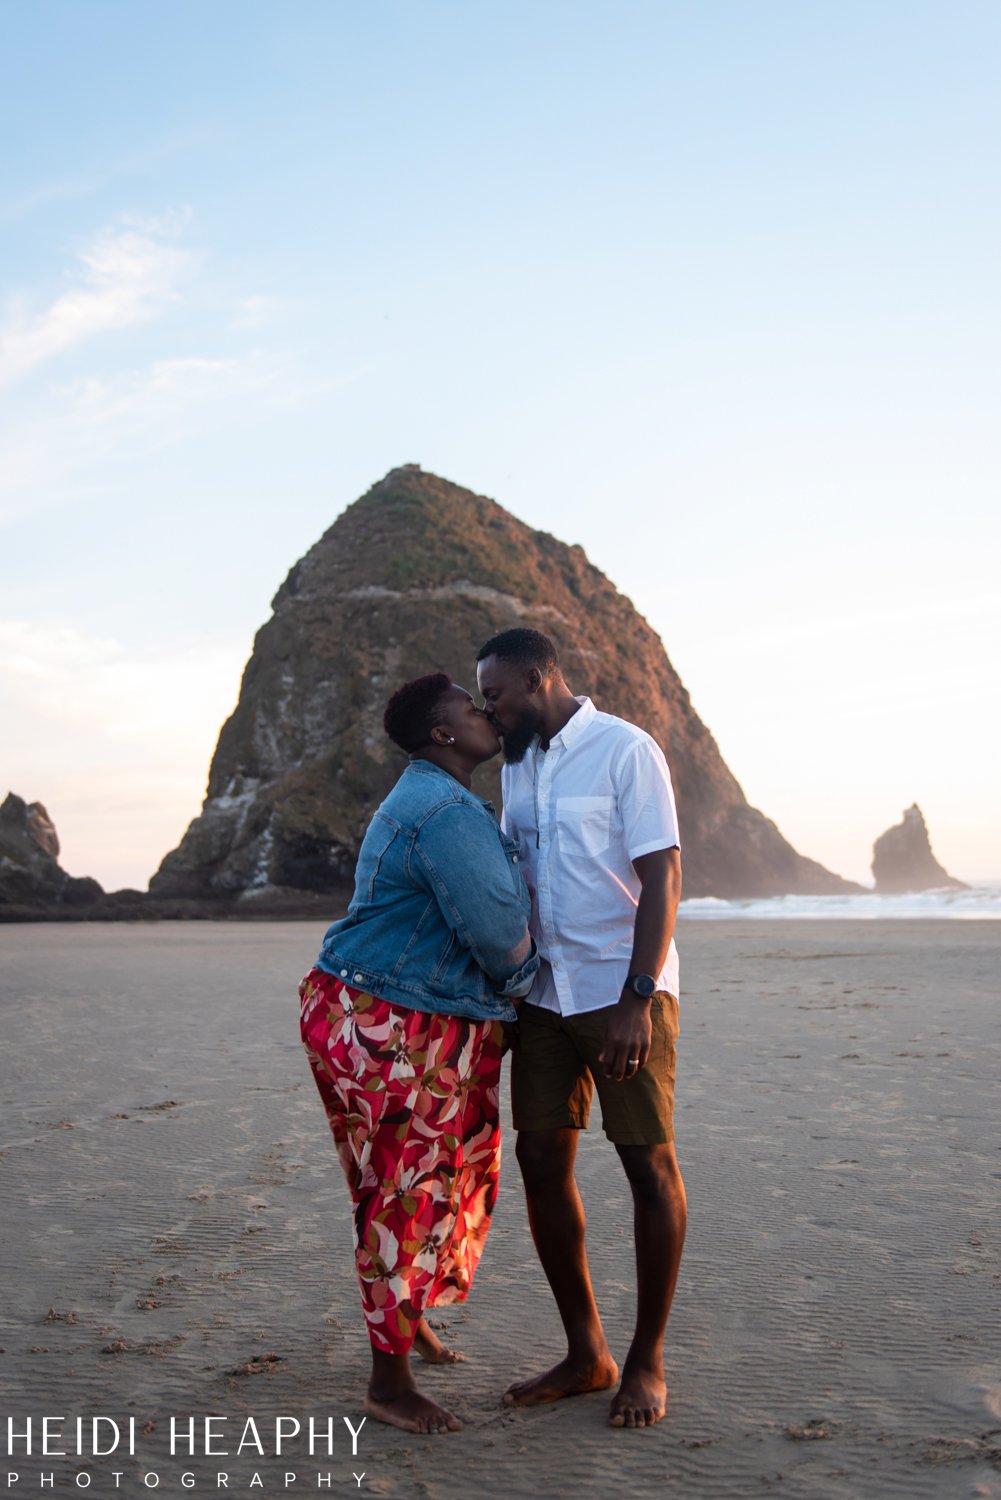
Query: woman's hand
(509,1035)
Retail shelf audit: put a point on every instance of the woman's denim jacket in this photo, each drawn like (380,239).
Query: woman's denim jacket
(438,919)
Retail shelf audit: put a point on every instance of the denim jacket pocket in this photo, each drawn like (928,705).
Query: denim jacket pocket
(445,958)
(378,842)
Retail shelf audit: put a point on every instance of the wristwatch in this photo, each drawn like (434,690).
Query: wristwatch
(641,984)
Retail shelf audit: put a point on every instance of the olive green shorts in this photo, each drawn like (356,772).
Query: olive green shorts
(555,1071)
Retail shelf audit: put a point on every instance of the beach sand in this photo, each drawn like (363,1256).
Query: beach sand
(176,1231)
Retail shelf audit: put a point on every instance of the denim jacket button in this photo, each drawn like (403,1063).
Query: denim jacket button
(359,978)
(514,859)
(344,973)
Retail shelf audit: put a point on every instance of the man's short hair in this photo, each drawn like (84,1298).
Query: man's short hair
(414,710)
(523,648)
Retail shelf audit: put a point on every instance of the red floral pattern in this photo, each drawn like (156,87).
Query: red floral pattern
(412,1101)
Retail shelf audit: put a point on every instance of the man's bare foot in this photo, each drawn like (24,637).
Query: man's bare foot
(641,1399)
(568,1378)
(431,1349)
(411,1411)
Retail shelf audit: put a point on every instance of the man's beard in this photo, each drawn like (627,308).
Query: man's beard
(518,738)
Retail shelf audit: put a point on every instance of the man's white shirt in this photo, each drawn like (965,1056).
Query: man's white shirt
(582,811)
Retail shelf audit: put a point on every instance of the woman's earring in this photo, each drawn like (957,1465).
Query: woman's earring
(450,740)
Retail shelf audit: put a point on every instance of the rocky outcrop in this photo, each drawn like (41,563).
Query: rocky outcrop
(32,881)
(902,860)
(412,578)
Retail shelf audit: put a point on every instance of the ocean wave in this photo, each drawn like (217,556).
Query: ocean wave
(980,903)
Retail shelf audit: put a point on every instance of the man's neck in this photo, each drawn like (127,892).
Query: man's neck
(557,716)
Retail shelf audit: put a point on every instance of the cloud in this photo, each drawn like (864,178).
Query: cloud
(59,189)
(254,312)
(55,679)
(144,161)
(114,739)
(74,435)
(68,444)
(125,275)
(79,438)
(156,397)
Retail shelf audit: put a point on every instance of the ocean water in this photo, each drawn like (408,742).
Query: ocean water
(982,902)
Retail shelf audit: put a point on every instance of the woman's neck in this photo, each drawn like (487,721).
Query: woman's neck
(446,760)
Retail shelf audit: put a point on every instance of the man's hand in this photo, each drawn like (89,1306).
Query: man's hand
(629,1029)
(627,1037)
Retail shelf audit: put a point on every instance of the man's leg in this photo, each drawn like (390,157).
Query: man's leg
(556,1217)
(659,1217)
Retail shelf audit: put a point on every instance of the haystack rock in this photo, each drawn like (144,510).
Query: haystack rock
(32,881)
(902,859)
(412,578)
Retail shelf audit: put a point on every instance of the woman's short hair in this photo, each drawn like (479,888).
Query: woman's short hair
(414,710)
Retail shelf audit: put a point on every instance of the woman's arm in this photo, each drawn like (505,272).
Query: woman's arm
(462,860)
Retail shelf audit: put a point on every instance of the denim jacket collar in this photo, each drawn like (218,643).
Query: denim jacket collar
(424,767)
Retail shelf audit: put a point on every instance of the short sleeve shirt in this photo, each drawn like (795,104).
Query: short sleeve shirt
(582,811)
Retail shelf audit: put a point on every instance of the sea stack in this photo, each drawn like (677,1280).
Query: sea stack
(412,578)
(902,860)
(32,881)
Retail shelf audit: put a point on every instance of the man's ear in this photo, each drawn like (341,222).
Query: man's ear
(533,679)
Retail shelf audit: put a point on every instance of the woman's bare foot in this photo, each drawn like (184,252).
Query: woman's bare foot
(392,1397)
(411,1411)
(641,1399)
(431,1349)
(570,1377)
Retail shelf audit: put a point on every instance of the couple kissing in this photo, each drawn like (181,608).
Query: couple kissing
(552,928)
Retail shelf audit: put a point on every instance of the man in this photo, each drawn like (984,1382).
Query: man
(588,797)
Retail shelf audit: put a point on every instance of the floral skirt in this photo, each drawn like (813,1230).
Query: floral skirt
(412,1101)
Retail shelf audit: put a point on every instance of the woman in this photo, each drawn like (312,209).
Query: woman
(401,1019)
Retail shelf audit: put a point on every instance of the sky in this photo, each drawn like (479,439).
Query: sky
(709,288)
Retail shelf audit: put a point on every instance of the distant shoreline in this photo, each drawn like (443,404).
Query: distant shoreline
(981,902)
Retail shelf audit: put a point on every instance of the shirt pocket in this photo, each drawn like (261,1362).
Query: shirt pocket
(584,824)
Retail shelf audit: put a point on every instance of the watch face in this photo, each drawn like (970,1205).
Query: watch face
(643,984)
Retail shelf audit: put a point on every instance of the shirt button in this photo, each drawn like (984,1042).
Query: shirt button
(359,978)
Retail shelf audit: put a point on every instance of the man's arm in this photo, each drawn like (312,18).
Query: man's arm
(629,1029)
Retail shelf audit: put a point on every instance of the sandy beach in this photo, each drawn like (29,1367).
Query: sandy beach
(176,1234)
